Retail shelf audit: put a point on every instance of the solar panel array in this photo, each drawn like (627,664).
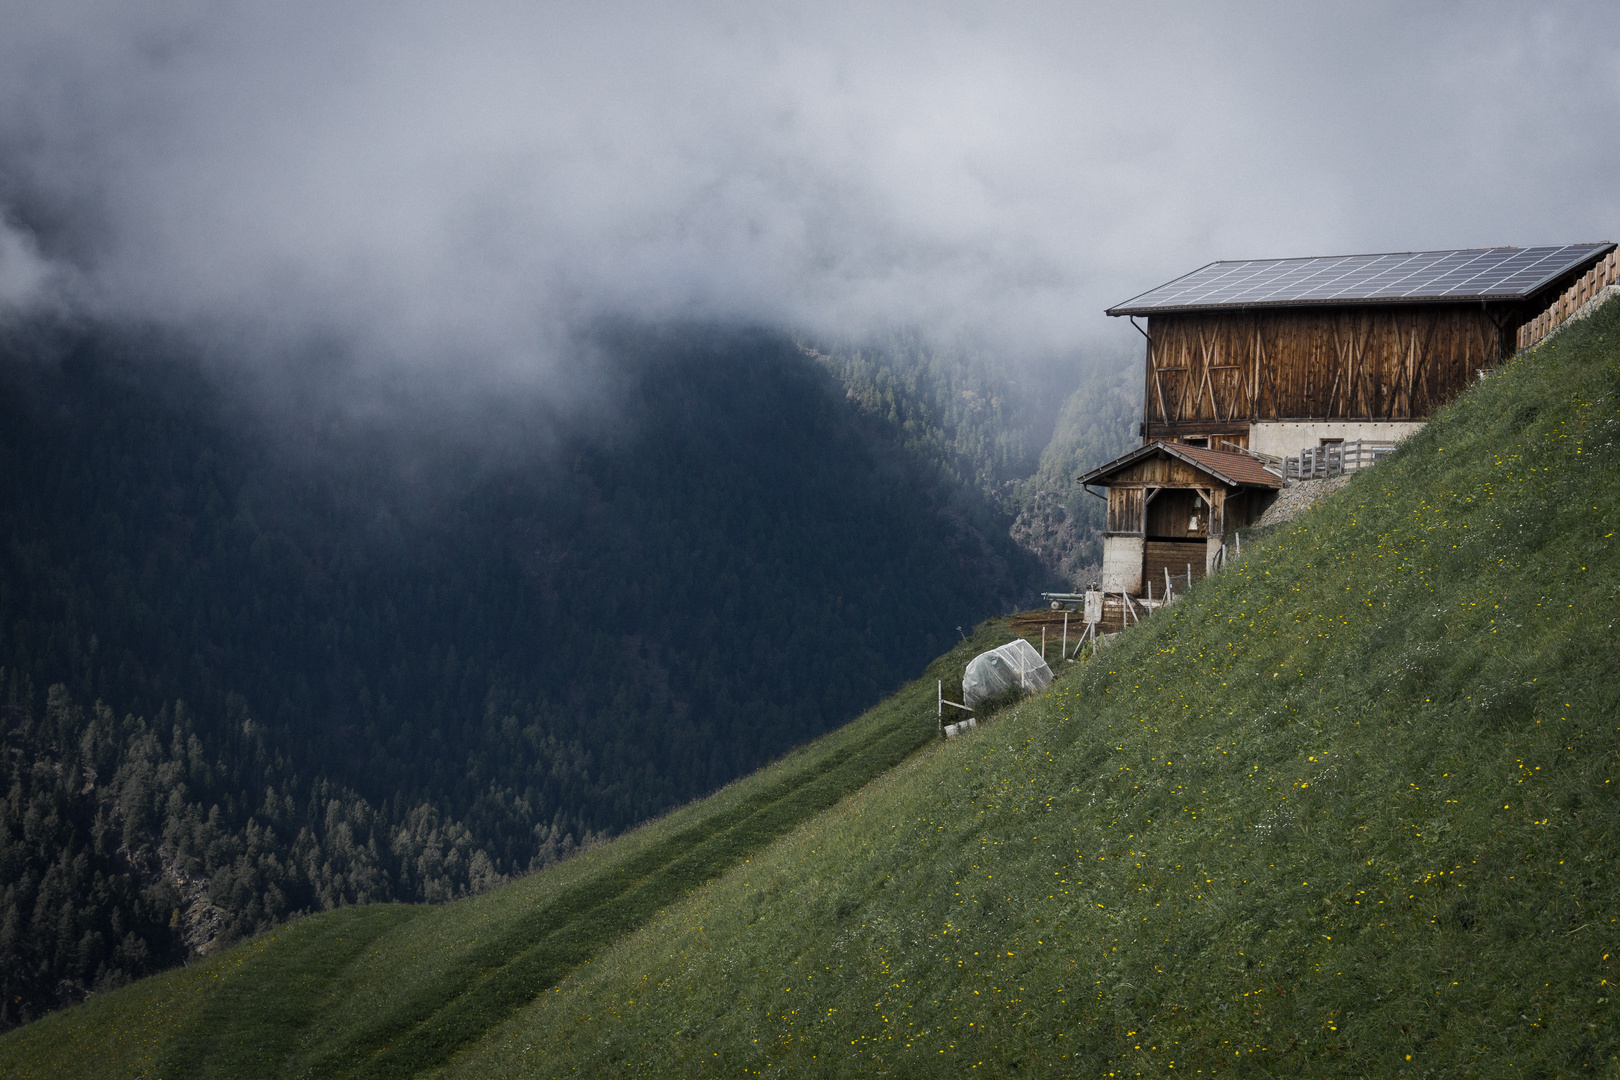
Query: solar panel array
(1479,274)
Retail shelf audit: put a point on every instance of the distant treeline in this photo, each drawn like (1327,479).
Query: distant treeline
(127,844)
(261,662)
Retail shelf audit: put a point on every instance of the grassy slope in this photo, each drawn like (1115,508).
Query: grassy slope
(1348,809)
(393,989)
(1348,802)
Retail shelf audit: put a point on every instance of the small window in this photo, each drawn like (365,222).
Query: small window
(1329,442)
(1198,440)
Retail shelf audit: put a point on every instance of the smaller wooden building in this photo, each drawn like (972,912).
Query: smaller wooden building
(1170,506)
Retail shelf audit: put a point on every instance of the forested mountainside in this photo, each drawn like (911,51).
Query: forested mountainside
(957,408)
(1021,436)
(1055,519)
(253,663)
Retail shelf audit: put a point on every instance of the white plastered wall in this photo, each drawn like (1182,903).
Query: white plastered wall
(1286,438)
(1122,564)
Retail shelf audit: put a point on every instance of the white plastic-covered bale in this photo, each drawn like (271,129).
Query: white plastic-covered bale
(1015,665)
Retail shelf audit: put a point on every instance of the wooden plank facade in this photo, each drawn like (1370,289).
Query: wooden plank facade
(1213,374)
(1166,499)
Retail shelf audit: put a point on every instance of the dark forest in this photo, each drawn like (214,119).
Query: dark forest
(254,664)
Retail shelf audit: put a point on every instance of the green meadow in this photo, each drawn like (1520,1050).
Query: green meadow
(1347,808)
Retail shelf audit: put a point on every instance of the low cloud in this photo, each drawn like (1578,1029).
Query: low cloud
(462,187)
(25,275)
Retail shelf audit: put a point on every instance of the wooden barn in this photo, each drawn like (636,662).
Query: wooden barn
(1170,506)
(1253,362)
(1275,355)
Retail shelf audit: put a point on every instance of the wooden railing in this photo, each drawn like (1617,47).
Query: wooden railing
(1576,297)
(1334,459)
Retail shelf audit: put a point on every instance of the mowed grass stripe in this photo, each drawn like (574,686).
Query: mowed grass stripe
(516,983)
(255,1015)
(511,969)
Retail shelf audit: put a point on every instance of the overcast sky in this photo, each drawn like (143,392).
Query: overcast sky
(457,185)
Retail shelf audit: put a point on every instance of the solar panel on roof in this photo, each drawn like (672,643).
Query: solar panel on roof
(1485,274)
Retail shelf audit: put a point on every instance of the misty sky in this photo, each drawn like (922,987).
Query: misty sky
(461,184)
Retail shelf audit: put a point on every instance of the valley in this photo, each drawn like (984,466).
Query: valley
(262,659)
(1346,807)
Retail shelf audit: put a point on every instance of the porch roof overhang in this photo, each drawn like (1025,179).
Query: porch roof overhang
(1233,470)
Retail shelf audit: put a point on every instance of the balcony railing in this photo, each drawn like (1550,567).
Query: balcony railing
(1334,459)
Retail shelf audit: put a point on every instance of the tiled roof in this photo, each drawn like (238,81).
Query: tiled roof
(1234,470)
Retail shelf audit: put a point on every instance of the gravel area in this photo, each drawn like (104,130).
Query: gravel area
(1299,497)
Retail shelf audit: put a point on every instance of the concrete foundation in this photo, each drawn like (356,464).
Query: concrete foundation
(1286,438)
(1122,564)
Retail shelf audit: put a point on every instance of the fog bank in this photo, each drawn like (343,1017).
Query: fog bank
(461,188)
